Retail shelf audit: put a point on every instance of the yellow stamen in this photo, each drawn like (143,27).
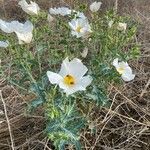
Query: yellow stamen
(78,29)
(121,70)
(69,80)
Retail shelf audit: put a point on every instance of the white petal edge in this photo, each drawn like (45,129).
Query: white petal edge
(5,26)
(128,77)
(54,78)
(24,37)
(74,89)
(64,70)
(86,81)
(77,68)
(115,62)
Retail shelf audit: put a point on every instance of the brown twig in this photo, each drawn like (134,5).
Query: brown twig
(116,6)
(145,89)
(7,119)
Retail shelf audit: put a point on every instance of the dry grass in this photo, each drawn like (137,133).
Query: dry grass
(124,126)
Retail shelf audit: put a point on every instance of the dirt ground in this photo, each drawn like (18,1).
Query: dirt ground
(125,126)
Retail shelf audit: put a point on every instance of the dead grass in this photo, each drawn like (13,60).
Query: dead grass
(124,126)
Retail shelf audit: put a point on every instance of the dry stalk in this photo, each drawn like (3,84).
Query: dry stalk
(7,119)
(145,89)
(116,6)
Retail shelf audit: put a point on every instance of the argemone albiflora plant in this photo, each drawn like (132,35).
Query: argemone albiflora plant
(31,9)
(124,70)
(22,30)
(71,76)
(81,45)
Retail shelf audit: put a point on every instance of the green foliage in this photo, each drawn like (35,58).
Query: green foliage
(64,122)
(98,96)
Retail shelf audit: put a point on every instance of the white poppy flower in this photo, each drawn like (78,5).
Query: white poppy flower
(124,70)
(122,26)
(63,11)
(80,27)
(31,9)
(23,31)
(94,7)
(4,44)
(71,76)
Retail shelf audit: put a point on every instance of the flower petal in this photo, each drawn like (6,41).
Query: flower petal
(54,78)
(64,11)
(95,6)
(16,26)
(28,26)
(128,70)
(72,24)
(115,62)
(64,68)
(86,81)
(24,38)
(74,89)
(31,9)
(23,31)
(5,27)
(74,67)
(128,77)
(77,69)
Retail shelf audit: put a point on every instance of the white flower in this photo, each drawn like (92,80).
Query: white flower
(80,27)
(4,44)
(71,76)
(31,9)
(64,11)
(94,7)
(124,70)
(23,31)
(122,26)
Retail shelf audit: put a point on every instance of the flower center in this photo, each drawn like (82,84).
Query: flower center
(69,80)
(78,29)
(120,70)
